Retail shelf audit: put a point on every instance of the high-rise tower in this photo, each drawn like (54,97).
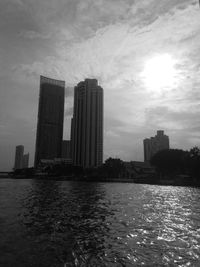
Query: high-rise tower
(154,144)
(50,119)
(19,153)
(87,124)
(25,161)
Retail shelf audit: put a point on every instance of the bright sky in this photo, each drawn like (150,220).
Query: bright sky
(145,54)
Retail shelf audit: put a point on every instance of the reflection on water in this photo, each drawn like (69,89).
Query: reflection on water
(51,223)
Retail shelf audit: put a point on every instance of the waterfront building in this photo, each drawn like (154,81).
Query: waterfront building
(66,149)
(19,152)
(87,124)
(25,161)
(50,119)
(133,169)
(154,144)
(49,163)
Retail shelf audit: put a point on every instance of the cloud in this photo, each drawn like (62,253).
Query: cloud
(69,91)
(48,67)
(33,35)
(68,112)
(164,115)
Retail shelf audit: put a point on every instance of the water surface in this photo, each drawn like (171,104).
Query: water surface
(57,223)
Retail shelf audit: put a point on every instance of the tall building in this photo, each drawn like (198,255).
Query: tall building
(25,161)
(19,153)
(50,119)
(87,124)
(154,144)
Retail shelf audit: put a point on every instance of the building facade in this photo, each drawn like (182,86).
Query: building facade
(19,153)
(66,149)
(50,119)
(25,161)
(154,144)
(87,125)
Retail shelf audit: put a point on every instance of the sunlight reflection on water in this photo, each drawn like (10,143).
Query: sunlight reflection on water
(49,223)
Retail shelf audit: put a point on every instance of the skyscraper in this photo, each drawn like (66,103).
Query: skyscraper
(154,144)
(19,153)
(25,160)
(87,124)
(50,119)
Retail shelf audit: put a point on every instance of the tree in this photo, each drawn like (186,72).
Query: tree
(194,161)
(170,161)
(195,152)
(114,168)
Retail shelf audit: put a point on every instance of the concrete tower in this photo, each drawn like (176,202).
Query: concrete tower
(19,153)
(50,119)
(154,144)
(87,124)
(25,161)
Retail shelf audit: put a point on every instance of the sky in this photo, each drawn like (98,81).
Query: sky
(145,54)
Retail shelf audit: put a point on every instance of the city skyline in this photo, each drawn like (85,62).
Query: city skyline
(145,55)
(85,147)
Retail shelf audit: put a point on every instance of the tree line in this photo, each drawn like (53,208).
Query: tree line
(178,161)
(168,164)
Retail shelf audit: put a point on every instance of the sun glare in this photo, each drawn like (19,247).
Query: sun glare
(159,73)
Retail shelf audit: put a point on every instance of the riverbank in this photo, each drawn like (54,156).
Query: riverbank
(176,181)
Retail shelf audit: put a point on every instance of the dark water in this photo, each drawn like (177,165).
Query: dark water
(47,223)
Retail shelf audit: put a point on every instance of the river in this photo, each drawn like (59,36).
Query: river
(64,223)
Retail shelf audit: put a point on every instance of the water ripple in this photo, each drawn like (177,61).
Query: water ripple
(84,224)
